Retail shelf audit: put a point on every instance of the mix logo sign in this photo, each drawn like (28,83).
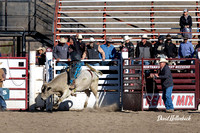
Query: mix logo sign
(180,100)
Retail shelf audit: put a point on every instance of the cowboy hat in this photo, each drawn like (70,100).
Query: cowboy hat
(126,38)
(163,60)
(168,37)
(80,37)
(145,36)
(41,48)
(92,39)
(62,40)
(109,40)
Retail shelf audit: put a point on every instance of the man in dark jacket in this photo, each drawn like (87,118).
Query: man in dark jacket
(167,84)
(159,48)
(186,23)
(170,48)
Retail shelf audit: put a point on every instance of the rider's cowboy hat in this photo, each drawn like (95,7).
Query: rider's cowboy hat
(80,37)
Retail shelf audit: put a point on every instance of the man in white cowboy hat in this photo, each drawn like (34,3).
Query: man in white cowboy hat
(41,58)
(186,24)
(144,48)
(128,44)
(92,52)
(78,45)
(167,84)
(60,51)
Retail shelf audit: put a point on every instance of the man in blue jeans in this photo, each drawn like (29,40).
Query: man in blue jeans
(167,84)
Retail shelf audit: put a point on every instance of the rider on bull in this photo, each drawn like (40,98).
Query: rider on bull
(76,53)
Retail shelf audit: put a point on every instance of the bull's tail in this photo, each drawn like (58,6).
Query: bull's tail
(93,69)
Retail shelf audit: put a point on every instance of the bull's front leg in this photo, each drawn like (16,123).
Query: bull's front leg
(66,93)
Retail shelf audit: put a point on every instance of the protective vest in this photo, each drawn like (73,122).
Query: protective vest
(93,53)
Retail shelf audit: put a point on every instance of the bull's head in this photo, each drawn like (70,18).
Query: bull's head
(46,91)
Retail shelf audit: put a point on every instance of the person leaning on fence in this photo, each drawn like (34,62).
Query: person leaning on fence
(2,101)
(186,49)
(186,24)
(109,50)
(41,57)
(170,48)
(167,84)
(159,48)
(197,49)
(144,49)
(92,52)
(61,51)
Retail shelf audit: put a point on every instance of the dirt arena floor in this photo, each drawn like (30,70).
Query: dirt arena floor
(104,120)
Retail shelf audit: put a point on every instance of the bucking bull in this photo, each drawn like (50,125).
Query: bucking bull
(86,81)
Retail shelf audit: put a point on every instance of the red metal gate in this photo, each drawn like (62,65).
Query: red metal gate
(141,93)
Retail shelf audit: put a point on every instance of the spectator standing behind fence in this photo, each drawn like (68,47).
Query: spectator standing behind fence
(2,78)
(170,48)
(167,84)
(186,49)
(186,23)
(129,45)
(60,51)
(197,48)
(159,48)
(144,49)
(41,57)
(92,52)
(109,50)
(78,44)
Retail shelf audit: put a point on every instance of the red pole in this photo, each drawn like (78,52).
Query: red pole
(104,20)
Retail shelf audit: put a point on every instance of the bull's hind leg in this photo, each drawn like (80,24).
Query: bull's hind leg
(88,95)
(94,88)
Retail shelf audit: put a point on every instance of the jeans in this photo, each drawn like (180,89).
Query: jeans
(2,101)
(61,64)
(94,64)
(167,97)
(187,30)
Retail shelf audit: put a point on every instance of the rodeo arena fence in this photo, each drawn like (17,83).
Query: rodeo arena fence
(125,82)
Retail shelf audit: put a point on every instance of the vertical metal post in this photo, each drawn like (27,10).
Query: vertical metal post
(29,15)
(18,46)
(142,74)
(35,15)
(13,47)
(152,19)
(6,14)
(104,21)
(197,15)
(23,45)
(197,94)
